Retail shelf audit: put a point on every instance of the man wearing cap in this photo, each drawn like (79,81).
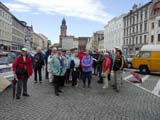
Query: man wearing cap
(22,69)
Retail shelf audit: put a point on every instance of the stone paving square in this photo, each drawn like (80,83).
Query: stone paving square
(132,103)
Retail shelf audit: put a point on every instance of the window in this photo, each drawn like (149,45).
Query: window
(145,39)
(146,13)
(140,39)
(152,25)
(141,15)
(145,54)
(141,27)
(152,38)
(158,37)
(145,27)
(136,40)
(158,23)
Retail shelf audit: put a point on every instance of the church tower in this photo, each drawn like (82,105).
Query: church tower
(63,30)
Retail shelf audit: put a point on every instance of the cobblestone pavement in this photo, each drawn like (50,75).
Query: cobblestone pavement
(132,103)
(150,82)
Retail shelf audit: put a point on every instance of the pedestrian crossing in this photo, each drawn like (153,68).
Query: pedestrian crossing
(150,82)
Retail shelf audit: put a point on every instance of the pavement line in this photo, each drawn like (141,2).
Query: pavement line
(145,78)
(143,88)
(156,88)
(126,78)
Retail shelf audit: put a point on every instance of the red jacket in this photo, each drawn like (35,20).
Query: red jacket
(20,63)
(106,65)
(81,55)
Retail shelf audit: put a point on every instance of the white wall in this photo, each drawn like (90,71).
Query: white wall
(113,33)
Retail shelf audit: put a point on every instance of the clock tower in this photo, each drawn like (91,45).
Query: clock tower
(63,30)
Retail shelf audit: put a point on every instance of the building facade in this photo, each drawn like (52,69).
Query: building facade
(28,37)
(101,45)
(136,28)
(89,44)
(154,23)
(113,33)
(97,36)
(82,42)
(18,33)
(45,41)
(67,42)
(38,41)
(5,28)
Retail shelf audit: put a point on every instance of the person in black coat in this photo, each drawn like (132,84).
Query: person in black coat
(48,53)
(38,63)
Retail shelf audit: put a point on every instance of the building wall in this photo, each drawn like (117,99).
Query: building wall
(83,43)
(101,45)
(45,39)
(18,34)
(136,28)
(113,33)
(28,37)
(38,41)
(90,43)
(5,26)
(97,36)
(154,23)
(67,42)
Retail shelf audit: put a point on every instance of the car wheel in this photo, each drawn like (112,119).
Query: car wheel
(144,69)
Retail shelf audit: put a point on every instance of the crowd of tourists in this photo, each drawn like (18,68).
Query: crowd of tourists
(69,67)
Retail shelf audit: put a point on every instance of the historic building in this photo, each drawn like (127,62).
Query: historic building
(18,33)
(69,41)
(154,22)
(28,37)
(63,31)
(113,33)
(45,41)
(97,36)
(5,28)
(136,28)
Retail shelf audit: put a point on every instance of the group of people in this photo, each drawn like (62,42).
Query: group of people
(63,67)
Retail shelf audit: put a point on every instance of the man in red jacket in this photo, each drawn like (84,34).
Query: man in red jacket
(22,69)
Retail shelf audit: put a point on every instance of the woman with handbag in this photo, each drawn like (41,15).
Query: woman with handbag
(106,69)
(22,69)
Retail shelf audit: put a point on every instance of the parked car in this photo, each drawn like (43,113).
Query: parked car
(6,60)
(148,59)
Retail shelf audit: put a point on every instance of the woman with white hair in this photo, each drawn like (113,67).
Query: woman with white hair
(106,69)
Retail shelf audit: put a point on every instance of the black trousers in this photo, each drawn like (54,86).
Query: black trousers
(22,83)
(88,76)
(75,74)
(39,70)
(57,83)
(62,80)
(67,75)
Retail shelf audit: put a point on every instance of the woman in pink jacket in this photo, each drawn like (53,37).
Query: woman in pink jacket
(106,69)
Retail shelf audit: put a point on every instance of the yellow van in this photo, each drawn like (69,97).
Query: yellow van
(148,59)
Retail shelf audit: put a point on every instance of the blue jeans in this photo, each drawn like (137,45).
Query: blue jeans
(87,75)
